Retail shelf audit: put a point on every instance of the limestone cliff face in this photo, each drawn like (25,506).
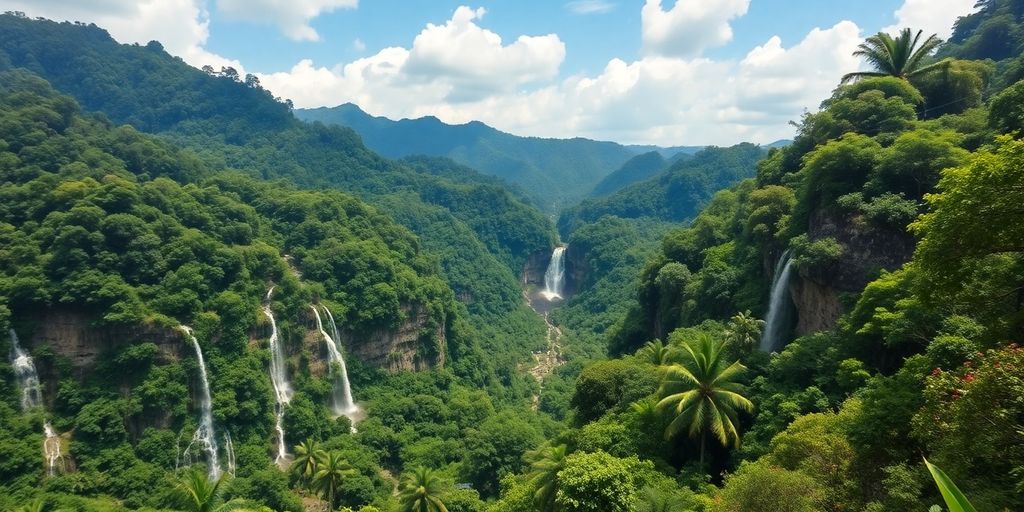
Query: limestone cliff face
(867,250)
(398,349)
(576,269)
(534,268)
(72,334)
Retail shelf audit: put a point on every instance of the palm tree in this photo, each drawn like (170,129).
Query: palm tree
(419,492)
(655,352)
(901,57)
(545,464)
(655,500)
(332,470)
(744,331)
(703,396)
(307,455)
(197,493)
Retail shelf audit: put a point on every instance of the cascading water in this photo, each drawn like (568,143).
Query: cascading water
(341,398)
(25,372)
(205,436)
(51,449)
(229,450)
(279,379)
(554,276)
(779,304)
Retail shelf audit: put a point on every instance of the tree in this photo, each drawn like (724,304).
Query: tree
(761,487)
(599,482)
(545,464)
(197,493)
(902,57)
(655,352)
(420,492)
(703,395)
(332,470)
(306,459)
(744,331)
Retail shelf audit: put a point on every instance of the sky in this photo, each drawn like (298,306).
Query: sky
(683,72)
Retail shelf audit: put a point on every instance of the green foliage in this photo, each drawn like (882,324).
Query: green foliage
(610,386)
(1005,112)
(761,487)
(421,492)
(600,482)
(955,499)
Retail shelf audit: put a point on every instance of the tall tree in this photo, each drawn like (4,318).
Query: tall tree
(545,464)
(655,352)
(197,493)
(307,454)
(703,395)
(744,331)
(902,56)
(332,470)
(420,492)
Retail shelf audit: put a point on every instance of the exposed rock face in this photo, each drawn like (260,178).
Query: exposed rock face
(867,250)
(818,307)
(395,350)
(576,268)
(72,335)
(534,268)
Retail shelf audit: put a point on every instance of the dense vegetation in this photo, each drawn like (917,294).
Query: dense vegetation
(674,195)
(897,205)
(638,168)
(555,172)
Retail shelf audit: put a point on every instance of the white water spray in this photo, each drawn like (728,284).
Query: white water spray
(229,450)
(341,398)
(25,372)
(204,436)
(279,378)
(554,276)
(51,449)
(778,306)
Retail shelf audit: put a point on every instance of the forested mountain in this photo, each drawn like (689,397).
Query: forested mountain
(638,168)
(555,172)
(202,295)
(676,194)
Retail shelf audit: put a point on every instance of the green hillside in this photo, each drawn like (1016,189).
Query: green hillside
(554,172)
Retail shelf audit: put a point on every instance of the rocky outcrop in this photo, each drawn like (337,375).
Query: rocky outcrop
(818,307)
(72,334)
(419,343)
(534,268)
(867,250)
(576,269)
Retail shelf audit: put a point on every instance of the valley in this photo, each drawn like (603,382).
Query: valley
(216,301)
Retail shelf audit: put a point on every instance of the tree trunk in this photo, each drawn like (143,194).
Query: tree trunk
(703,439)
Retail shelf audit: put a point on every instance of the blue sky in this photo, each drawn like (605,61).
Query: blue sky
(668,72)
(592,39)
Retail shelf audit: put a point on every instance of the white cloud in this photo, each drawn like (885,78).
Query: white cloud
(932,16)
(291,16)
(656,99)
(689,27)
(182,26)
(455,62)
(590,6)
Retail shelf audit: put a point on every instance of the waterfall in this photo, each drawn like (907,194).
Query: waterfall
(205,435)
(554,276)
(778,306)
(343,404)
(25,372)
(229,450)
(51,449)
(279,379)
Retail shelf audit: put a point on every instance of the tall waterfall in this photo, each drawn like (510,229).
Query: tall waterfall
(51,449)
(779,306)
(341,398)
(229,451)
(25,371)
(205,435)
(554,277)
(279,379)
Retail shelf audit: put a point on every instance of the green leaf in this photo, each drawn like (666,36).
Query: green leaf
(955,500)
